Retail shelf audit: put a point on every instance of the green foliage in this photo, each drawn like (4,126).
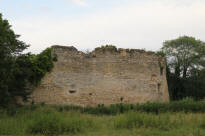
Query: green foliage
(161,53)
(19,71)
(194,85)
(39,65)
(10,49)
(137,120)
(54,123)
(185,66)
(184,54)
(9,43)
(43,121)
(186,105)
(202,125)
(107,47)
(47,121)
(30,69)
(55,57)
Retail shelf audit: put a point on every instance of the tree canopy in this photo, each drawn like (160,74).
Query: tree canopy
(10,49)
(185,61)
(184,54)
(19,71)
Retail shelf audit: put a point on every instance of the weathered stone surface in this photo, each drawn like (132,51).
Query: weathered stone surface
(103,77)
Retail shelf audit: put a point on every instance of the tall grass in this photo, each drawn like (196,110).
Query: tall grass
(55,123)
(202,125)
(138,120)
(44,121)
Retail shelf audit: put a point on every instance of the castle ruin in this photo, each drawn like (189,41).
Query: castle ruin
(104,76)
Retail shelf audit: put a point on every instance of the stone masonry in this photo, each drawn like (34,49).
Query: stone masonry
(104,76)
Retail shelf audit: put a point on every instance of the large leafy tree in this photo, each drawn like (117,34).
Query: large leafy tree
(185,61)
(184,54)
(10,48)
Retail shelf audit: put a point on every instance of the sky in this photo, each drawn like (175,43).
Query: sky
(87,24)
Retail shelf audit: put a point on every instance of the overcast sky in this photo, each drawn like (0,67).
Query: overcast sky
(87,24)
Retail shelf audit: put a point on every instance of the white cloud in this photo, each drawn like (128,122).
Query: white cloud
(138,25)
(79,2)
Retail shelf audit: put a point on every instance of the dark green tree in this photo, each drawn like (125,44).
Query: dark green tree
(10,49)
(185,61)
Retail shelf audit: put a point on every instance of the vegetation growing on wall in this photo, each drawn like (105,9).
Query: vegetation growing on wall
(161,67)
(106,47)
(40,64)
(29,70)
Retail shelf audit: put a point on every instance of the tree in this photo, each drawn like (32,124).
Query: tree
(10,49)
(19,72)
(184,54)
(185,57)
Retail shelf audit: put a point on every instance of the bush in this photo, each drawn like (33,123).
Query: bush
(106,47)
(186,105)
(39,65)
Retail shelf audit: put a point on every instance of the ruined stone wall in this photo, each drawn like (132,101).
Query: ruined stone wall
(104,76)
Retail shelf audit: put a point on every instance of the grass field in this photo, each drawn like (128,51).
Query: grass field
(48,121)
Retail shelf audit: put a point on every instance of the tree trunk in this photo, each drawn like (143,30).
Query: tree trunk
(177,71)
(184,72)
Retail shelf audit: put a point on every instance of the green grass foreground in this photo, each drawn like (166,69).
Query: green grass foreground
(49,120)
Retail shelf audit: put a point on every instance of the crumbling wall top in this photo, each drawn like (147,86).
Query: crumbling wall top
(70,48)
(107,48)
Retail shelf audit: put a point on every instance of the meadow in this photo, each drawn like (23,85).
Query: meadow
(115,120)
